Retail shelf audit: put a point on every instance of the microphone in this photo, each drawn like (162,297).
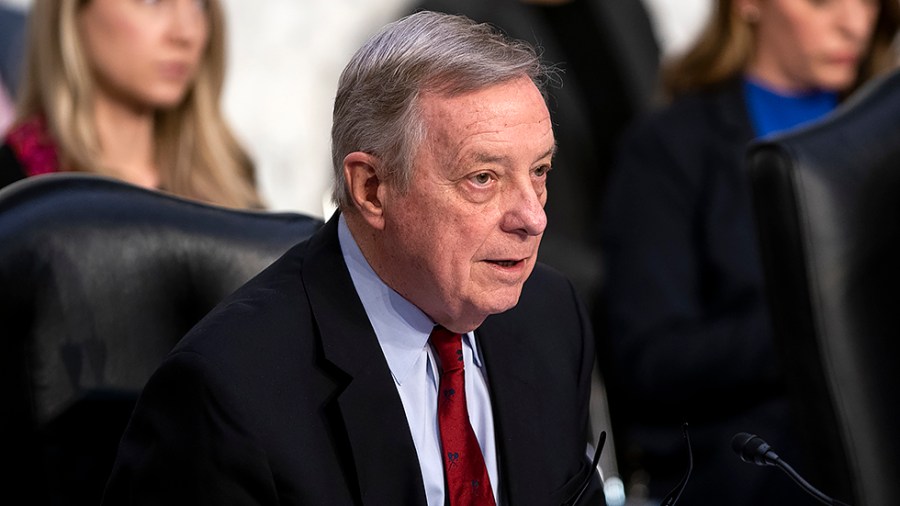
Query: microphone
(672,497)
(753,450)
(587,479)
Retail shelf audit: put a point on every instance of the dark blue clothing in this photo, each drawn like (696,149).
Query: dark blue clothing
(12,47)
(772,112)
(11,169)
(686,319)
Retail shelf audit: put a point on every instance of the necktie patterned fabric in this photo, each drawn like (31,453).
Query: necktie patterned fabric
(467,478)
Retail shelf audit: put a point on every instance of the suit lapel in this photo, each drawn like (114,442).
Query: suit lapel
(383,453)
(513,396)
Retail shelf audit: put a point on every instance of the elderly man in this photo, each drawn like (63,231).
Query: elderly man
(411,352)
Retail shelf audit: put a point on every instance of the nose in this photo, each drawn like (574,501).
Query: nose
(857,19)
(525,214)
(188,21)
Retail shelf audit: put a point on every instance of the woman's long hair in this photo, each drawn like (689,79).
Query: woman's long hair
(196,153)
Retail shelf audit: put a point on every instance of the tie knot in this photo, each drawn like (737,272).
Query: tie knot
(448,346)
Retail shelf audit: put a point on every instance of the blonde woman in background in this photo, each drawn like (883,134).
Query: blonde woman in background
(686,316)
(129,89)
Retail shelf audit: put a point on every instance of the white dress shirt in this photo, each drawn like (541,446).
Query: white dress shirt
(402,330)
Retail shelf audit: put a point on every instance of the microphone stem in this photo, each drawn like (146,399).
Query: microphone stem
(784,466)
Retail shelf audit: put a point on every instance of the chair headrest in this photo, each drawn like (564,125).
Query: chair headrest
(100,278)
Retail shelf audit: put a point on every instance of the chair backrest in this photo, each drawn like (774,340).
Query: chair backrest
(98,281)
(827,203)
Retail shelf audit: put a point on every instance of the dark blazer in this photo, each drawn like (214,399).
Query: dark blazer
(686,315)
(282,396)
(11,169)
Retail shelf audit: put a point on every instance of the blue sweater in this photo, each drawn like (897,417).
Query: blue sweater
(772,111)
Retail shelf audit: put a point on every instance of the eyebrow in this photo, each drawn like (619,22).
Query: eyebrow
(487,158)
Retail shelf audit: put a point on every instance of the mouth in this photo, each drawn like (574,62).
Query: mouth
(175,70)
(508,272)
(506,264)
(844,59)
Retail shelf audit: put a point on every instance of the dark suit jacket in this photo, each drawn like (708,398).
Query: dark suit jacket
(11,169)
(282,396)
(687,319)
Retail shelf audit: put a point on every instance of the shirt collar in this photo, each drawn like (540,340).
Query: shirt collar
(402,329)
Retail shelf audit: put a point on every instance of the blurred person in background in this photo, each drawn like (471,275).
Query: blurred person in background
(129,90)
(686,315)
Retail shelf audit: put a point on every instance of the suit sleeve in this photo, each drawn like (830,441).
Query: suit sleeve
(184,445)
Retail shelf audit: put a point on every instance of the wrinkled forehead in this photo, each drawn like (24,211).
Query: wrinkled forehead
(482,122)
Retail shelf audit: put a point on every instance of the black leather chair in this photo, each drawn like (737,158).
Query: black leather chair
(827,203)
(98,280)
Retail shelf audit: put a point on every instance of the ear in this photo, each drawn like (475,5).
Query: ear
(361,172)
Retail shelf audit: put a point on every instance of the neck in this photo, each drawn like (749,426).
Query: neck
(126,142)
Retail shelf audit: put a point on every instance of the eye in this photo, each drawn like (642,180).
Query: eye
(482,178)
(542,171)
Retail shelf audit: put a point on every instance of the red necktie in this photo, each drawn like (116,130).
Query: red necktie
(467,478)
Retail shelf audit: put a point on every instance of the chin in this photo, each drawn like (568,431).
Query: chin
(472,314)
(502,302)
(838,81)
(166,100)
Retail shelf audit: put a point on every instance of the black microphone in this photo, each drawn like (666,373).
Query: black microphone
(753,450)
(587,479)
(672,497)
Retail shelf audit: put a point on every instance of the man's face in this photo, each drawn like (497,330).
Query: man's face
(463,239)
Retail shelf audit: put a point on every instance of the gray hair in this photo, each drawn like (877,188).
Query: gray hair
(376,106)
